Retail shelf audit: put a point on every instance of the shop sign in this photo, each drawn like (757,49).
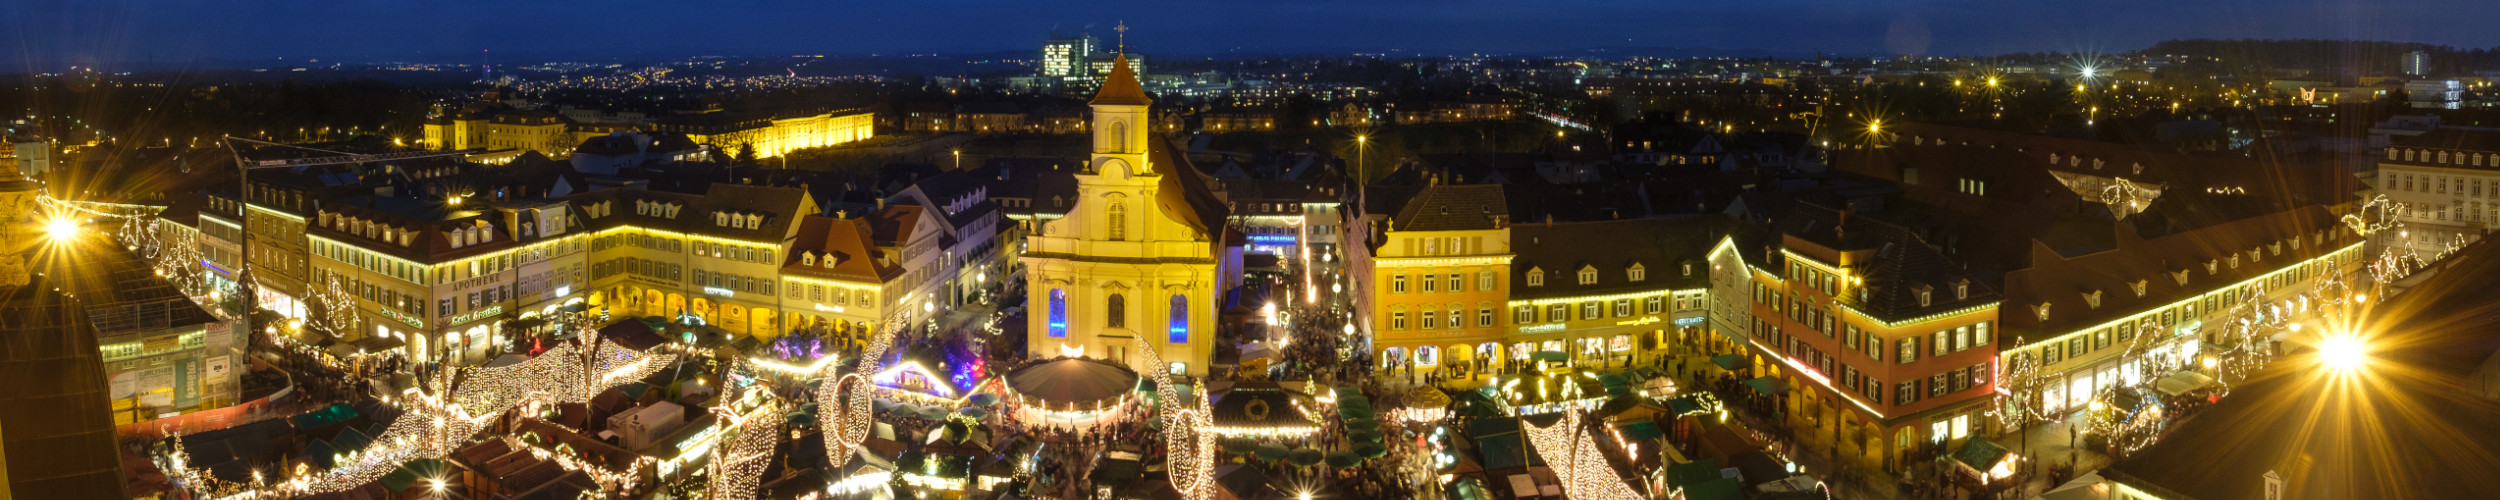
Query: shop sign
(1541,328)
(1637,322)
(402,317)
(481,313)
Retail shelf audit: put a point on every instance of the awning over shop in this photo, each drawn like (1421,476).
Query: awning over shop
(1729,361)
(2181,382)
(1767,386)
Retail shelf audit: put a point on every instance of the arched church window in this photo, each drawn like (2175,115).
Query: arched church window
(1117,311)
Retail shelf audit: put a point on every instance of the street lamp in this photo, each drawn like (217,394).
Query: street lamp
(1359,142)
(61,228)
(959,159)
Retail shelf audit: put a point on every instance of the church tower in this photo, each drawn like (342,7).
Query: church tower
(1137,256)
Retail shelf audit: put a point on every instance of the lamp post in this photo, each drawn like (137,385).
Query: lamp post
(959,159)
(1359,142)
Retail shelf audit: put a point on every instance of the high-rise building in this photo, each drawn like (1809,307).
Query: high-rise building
(2416,63)
(1146,231)
(1065,56)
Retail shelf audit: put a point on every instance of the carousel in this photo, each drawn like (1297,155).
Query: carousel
(1071,392)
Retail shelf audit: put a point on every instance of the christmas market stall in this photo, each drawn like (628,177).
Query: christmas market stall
(1264,410)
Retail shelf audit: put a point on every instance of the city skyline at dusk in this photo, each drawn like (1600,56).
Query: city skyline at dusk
(72,33)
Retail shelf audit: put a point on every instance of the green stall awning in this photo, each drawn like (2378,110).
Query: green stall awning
(1767,386)
(1729,361)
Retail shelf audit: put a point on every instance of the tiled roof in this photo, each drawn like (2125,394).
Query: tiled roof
(1898,265)
(847,241)
(1659,246)
(1454,208)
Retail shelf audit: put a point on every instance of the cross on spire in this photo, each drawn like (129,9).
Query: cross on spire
(1123,29)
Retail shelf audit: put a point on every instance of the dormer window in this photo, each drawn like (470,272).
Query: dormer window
(1961,289)
(2138,286)
(2180,276)
(755,221)
(807,259)
(1926,294)
(1536,277)
(1588,275)
(2092,299)
(2235,261)
(1688,269)
(2214,266)
(720,218)
(2041,311)
(1638,273)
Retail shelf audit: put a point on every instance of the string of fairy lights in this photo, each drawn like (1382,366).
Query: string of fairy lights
(2243,332)
(465,402)
(736,467)
(1189,446)
(852,418)
(1577,460)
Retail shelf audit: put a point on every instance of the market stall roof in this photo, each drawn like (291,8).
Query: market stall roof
(1692,473)
(1499,441)
(1716,489)
(1729,361)
(1262,405)
(1077,381)
(1978,455)
(1767,386)
(1639,430)
(1246,483)
(2182,382)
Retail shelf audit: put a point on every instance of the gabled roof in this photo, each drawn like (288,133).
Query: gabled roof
(893,226)
(1659,246)
(1454,208)
(1893,261)
(2062,281)
(1184,193)
(847,241)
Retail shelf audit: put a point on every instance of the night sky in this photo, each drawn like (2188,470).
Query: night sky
(58,32)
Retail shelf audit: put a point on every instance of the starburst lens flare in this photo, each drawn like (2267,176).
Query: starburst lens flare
(2343,352)
(61,228)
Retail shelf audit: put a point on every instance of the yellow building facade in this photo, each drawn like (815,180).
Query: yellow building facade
(1137,257)
(551,135)
(1441,278)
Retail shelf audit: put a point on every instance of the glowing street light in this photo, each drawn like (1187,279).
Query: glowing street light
(61,228)
(2343,352)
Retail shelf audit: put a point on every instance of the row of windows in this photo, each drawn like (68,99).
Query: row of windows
(1115,312)
(1435,282)
(1431,316)
(732,251)
(644,267)
(840,296)
(2459,158)
(733,282)
(1592,310)
(644,241)
(1938,385)
(2461,186)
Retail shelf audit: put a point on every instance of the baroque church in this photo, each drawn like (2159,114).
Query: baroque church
(1143,253)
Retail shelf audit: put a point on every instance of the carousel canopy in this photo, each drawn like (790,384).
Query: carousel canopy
(1427,397)
(1077,381)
